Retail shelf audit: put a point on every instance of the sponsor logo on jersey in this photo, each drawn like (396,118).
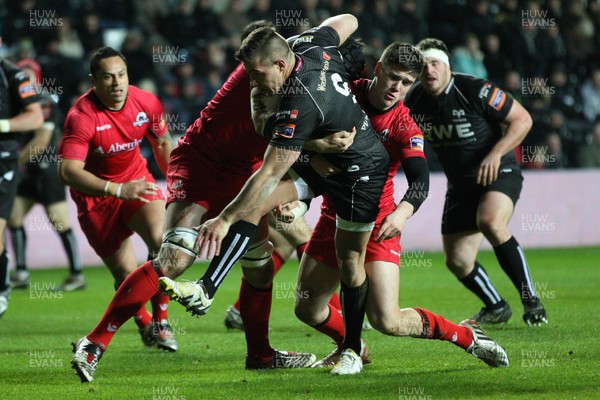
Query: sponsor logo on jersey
(497,99)
(177,185)
(26,89)
(326,56)
(285,130)
(119,147)
(98,150)
(103,127)
(454,337)
(458,113)
(383,135)
(485,89)
(417,143)
(141,119)
(292,114)
(354,168)
(303,39)
(322,86)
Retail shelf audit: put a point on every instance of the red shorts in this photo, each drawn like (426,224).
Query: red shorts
(321,245)
(105,224)
(193,176)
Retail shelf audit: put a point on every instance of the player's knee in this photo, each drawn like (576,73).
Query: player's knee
(258,255)
(177,251)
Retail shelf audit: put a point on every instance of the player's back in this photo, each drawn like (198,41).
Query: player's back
(224,130)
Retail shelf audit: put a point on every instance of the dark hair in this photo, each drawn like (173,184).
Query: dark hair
(432,43)
(262,43)
(354,58)
(102,53)
(404,56)
(252,26)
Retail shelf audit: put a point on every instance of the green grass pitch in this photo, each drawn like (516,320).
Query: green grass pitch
(557,361)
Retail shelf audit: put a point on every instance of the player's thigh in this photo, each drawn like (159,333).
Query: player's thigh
(317,282)
(148,222)
(58,213)
(298,232)
(494,211)
(382,298)
(184,214)
(20,208)
(122,262)
(460,249)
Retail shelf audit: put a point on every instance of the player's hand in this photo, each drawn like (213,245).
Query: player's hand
(210,236)
(391,226)
(488,170)
(133,190)
(340,141)
(323,167)
(283,212)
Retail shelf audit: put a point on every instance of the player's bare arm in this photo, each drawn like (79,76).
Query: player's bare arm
(30,119)
(518,123)
(257,189)
(35,146)
(162,147)
(344,25)
(73,174)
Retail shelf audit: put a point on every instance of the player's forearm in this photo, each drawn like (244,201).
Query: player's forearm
(29,120)
(86,182)
(404,210)
(162,152)
(254,193)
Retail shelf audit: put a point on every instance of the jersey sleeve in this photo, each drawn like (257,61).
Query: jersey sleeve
(158,126)
(23,90)
(492,101)
(322,36)
(293,123)
(79,130)
(411,141)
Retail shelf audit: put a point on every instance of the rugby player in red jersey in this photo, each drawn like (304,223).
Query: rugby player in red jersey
(115,193)
(207,169)
(395,72)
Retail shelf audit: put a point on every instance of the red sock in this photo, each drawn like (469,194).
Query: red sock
(160,303)
(142,317)
(300,250)
(333,326)
(335,302)
(133,293)
(255,309)
(437,327)
(278,262)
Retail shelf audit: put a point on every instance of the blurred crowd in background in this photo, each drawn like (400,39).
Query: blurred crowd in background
(545,53)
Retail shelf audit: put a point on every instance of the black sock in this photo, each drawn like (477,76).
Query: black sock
(512,259)
(70,244)
(19,241)
(479,283)
(4,272)
(233,247)
(354,302)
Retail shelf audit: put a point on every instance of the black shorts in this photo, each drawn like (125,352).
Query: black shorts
(42,185)
(462,200)
(9,179)
(355,195)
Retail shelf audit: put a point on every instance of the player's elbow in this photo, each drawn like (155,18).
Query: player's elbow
(65,173)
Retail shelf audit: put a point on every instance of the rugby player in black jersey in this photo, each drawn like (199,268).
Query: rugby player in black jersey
(473,127)
(312,99)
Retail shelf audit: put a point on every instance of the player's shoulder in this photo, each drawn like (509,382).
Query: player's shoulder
(319,36)
(12,71)
(469,83)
